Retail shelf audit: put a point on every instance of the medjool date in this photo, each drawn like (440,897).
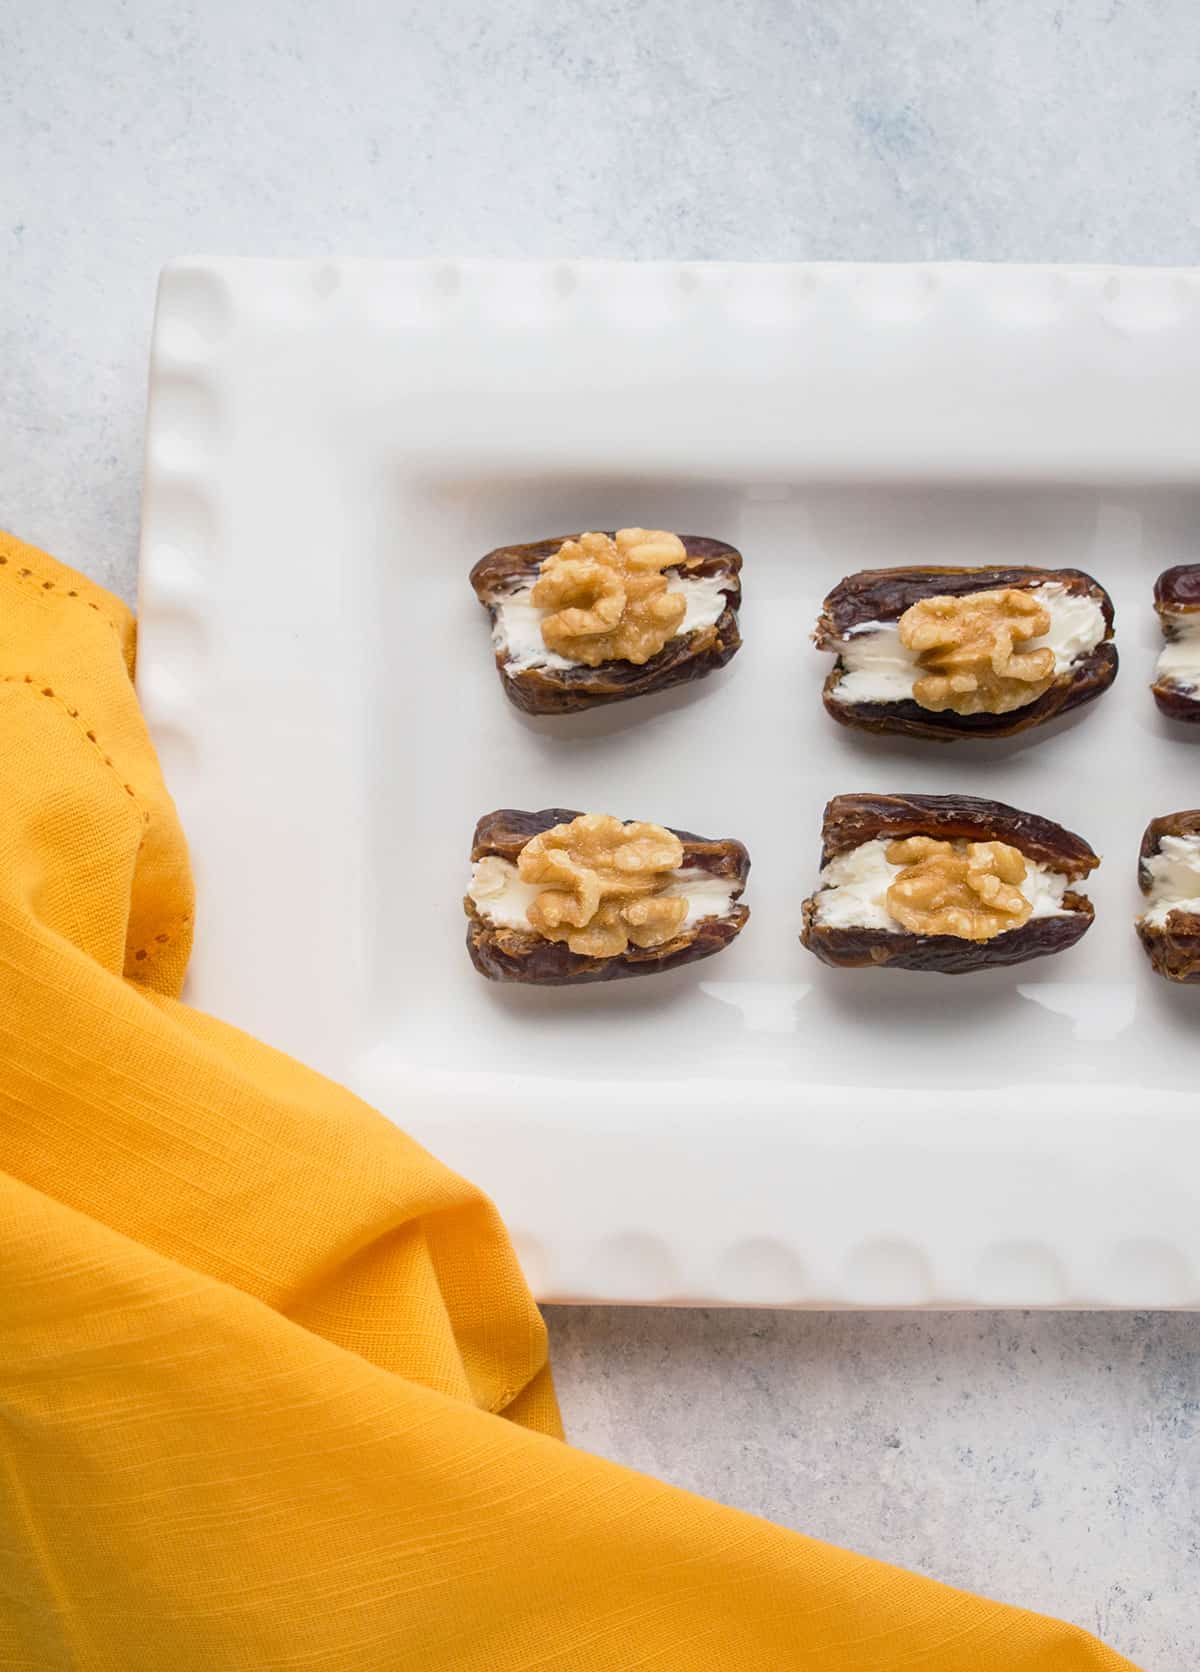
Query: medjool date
(543,679)
(1169,877)
(1176,686)
(576,856)
(898,870)
(947,653)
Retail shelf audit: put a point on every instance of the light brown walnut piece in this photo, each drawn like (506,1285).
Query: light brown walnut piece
(967,650)
(967,889)
(610,597)
(602,880)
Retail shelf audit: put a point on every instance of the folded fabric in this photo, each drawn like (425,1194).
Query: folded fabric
(273,1393)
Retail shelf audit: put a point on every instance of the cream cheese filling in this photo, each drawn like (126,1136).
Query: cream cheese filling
(517,628)
(876,667)
(502,898)
(1179,661)
(853,890)
(1174,879)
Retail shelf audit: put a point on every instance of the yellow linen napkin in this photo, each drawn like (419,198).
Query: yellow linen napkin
(273,1393)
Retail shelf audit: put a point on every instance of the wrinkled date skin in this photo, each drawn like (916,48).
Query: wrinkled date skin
(851,820)
(1177,592)
(885,594)
(1173,949)
(565,690)
(523,955)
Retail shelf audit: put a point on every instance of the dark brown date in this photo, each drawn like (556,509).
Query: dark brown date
(686,657)
(885,594)
(1177,593)
(1174,948)
(523,955)
(851,820)
(1178,588)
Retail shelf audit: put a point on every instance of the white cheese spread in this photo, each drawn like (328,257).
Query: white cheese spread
(503,899)
(854,885)
(1179,662)
(1174,879)
(517,628)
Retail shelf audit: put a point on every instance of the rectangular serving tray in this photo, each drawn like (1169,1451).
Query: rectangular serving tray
(330,447)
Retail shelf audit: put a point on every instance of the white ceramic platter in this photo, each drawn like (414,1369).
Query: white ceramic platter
(330,448)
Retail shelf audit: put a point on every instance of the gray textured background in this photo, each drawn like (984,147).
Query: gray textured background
(1051,1460)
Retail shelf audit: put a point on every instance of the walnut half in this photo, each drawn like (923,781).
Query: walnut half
(601,880)
(967,889)
(610,597)
(967,649)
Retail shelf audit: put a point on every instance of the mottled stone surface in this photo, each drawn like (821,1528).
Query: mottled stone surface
(136,130)
(1051,1459)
